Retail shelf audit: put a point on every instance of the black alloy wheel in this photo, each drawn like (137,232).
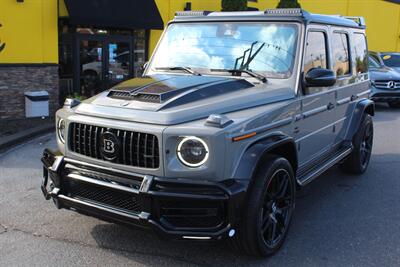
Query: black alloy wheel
(268,208)
(358,160)
(366,146)
(276,211)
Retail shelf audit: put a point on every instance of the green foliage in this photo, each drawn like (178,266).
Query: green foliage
(77,96)
(288,4)
(234,5)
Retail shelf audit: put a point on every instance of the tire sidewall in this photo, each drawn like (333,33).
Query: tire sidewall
(256,195)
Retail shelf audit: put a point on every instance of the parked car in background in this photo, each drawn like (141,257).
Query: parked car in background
(385,83)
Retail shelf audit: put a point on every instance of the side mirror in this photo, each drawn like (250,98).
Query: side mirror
(320,77)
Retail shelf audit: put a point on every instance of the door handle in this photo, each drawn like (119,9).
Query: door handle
(353,97)
(331,106)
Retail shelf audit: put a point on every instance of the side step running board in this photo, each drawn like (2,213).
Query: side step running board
(307,178)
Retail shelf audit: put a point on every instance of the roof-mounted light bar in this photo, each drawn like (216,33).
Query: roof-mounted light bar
(285,12)
(192,13)
(359,20)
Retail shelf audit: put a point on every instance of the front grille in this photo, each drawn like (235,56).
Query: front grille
(125,201)
(135,149)
(390,85)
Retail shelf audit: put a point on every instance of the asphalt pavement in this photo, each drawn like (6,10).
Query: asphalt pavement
(340,220)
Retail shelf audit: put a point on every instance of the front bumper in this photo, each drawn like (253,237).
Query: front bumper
(384,95)
(173,208)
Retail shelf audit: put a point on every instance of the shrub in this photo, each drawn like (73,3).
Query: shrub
(234,5)
(288,4)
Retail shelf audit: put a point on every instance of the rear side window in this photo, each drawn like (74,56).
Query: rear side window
(361,53)
(315,55)
(340,48)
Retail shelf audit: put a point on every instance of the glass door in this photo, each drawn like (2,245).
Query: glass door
(102,61)
(91,66)
(119,59)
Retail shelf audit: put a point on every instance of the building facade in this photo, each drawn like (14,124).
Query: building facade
(78,48)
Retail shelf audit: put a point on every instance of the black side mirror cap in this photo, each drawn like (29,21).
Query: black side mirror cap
(319,77)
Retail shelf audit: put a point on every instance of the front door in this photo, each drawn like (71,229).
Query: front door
(316,123)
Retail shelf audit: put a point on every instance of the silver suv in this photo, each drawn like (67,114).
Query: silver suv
(235,111)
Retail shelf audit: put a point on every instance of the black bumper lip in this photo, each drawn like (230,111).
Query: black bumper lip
(383,95)
(232,193)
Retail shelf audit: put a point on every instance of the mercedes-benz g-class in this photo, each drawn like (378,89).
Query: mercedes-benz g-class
(234,112)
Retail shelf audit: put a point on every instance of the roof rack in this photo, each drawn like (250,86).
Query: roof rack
(359,20)
(286,12)
(192,13)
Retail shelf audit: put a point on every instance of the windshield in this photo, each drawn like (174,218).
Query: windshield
(391,60)
(266,48)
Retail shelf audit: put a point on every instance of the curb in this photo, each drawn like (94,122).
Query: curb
(8,141)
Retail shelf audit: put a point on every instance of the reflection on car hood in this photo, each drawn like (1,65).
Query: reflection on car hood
(172,99)
(384,74)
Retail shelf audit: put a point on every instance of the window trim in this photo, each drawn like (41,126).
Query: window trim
(349,52)
(324,31)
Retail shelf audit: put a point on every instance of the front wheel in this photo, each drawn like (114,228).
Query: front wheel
(357,162)
(269,208)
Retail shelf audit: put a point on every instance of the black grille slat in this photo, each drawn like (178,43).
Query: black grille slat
(136,149)
(95,142)
(131,149)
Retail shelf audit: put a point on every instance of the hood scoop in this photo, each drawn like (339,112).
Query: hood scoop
(153,93)
(127,95)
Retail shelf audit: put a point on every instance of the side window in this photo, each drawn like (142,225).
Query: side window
(361,53)
(373,63)
(376,57)
(340,48)
(315,55)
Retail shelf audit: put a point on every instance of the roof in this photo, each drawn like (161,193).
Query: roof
(284,14)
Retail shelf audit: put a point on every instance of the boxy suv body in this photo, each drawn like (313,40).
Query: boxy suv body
(234,112)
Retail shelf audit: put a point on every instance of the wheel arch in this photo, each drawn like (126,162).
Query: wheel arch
(278,143)
(365,106)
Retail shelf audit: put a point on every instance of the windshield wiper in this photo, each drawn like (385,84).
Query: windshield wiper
(187,69)
(238,72)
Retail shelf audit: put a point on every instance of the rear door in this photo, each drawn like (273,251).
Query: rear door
(316,121)
(350,62)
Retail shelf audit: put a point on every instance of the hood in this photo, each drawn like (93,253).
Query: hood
(173,99)
(384,74)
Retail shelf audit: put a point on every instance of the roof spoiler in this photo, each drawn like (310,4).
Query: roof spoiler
(286,12)
(192,13)
(359,20)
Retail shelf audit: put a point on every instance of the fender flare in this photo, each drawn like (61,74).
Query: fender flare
(362,107)
(253,155)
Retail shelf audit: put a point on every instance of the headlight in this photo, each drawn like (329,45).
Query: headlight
(61,130)
(192,151)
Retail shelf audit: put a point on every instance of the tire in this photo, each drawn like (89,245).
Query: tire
(357,162)
(269,204)
(394,104)
(90,81)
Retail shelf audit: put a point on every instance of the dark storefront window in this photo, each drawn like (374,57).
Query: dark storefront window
(93,60)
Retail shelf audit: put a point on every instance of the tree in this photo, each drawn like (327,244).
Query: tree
(234,5)
(288,4)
